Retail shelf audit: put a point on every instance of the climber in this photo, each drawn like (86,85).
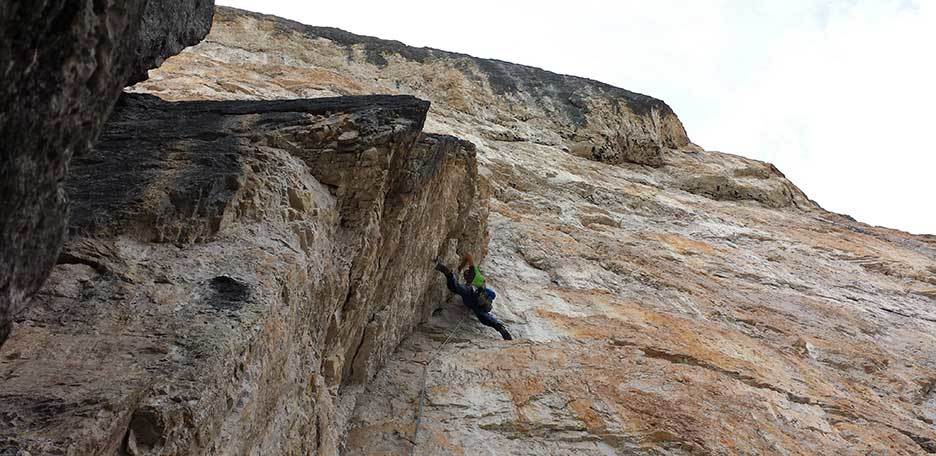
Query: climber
(473,293)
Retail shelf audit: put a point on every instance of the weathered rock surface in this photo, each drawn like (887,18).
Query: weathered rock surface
(700,306)
(62,65)
(234,271)
(495,104)
(518,103)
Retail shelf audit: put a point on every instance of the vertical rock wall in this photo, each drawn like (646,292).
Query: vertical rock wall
(234,271)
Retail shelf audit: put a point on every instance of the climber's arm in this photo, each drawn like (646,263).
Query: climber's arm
(466,260)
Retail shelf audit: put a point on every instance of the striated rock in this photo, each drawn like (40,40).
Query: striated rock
(275,252)
(62,65)
(520,103)
(494,104)
(744,180)
(702,306)
(234,271)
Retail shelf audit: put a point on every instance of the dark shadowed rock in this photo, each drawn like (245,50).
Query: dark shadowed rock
(234,271)
(62,65)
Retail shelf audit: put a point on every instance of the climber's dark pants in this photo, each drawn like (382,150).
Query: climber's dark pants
(470,300)
(487,319)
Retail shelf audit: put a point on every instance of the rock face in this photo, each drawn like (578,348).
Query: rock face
(665,299)
(235,271)
(62,65)
(518,103)
(495,104)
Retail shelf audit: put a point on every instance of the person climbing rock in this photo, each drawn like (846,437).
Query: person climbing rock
(474,294)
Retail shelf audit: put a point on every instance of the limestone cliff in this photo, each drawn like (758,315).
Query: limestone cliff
(270,254)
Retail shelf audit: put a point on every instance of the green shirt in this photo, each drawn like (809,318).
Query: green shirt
(478,280)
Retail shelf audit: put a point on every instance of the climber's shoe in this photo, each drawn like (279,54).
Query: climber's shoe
(441,268)
(503,332)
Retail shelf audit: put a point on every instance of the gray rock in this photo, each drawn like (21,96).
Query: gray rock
(62,65)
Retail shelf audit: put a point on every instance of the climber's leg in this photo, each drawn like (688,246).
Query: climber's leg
(487,319)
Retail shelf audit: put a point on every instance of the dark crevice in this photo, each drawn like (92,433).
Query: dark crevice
(67,258)
(228,293)
(928,445)
(903,314)
(357,351)
(318,434)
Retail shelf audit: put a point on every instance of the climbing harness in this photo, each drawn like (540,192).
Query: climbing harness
(422,389)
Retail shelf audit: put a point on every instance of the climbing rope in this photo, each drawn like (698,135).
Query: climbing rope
(422,389)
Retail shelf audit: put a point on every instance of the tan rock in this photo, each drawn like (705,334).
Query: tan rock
(660,309)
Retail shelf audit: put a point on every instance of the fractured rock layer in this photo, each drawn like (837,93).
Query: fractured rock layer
(494,104)
(234,271)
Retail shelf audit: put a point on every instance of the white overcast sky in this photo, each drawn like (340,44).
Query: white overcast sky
(839,94)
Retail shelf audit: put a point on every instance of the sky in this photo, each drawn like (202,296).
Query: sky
(838,94)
